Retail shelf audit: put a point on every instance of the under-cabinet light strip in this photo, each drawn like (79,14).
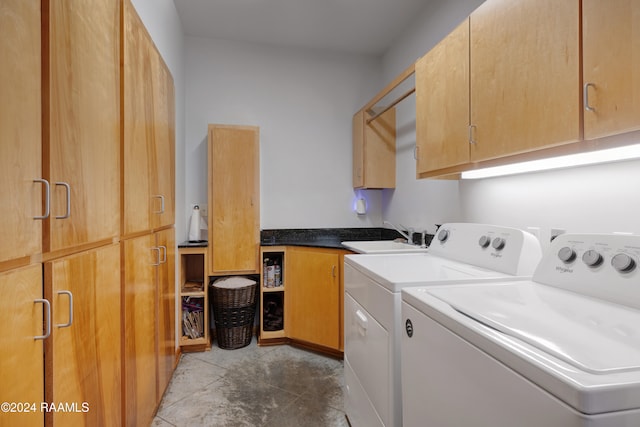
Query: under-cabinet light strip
(581,159)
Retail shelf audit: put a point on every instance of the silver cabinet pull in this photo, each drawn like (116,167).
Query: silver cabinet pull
(157,249)
(47,317)
(585,96)
(68,191)
(47,199)
(415,152)
(70,322)
(163,259)
(161,197)
(472,129)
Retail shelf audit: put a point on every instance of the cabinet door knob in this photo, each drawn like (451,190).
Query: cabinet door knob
(585,96)
(68,191)
(47,199)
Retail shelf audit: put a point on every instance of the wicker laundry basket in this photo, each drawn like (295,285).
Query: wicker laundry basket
(233,300)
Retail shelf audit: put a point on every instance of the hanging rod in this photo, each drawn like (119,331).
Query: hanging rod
(390,106)
(396,82)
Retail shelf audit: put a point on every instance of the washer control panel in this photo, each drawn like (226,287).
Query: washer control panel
(601,265)
(504,249)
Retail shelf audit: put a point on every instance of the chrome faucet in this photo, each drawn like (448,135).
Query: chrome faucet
(408,235)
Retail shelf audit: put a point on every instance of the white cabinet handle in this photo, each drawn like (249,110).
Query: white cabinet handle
(161,197)
(47,199)
(68,191)
(70,322)
(585,96)
(362,320)
(47,306)
(157,249)
(163,258)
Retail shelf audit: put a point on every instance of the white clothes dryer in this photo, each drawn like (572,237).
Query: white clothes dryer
(460,253)
(562,349)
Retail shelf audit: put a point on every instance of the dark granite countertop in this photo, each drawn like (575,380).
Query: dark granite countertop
(324,237)
(190,244)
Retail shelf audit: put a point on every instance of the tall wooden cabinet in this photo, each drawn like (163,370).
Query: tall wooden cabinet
(21,321)
(149,131)
(83,355)
(20,131)
(611,66)
(234,199)
(82,117)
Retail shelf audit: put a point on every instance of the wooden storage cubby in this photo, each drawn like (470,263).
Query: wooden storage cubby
(272,299)
(194,299)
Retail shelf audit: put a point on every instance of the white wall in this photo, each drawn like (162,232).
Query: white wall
(163,23)
(303,102)
(587,199)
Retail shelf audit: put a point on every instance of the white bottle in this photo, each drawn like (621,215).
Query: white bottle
(194,228)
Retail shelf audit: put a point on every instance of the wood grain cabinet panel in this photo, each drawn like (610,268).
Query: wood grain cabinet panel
(149,131)
(83,356)
(525,70)
(611,66)
(442,103)
(82,112)
(313,305)
(234,199)
(22,367)
(374,150)
(20,130)
(165,275)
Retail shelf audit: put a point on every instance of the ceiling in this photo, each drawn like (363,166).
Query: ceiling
(355,26)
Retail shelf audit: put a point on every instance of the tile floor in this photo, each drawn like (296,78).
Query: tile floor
(254,386)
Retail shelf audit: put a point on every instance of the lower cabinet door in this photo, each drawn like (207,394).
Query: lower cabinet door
(313,296)
(21,370)
(83,355)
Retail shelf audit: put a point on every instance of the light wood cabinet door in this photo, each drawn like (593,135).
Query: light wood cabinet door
(149,131)
(525,69)
(165,240)
(374,150)
(234,199)
(20,129)
(442,103)
(83,356)
(82,111)
(141,258)
(611,66)
(22,367)
(313,296)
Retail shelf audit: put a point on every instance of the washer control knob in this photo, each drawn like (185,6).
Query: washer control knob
(498,243)
(567,255)
(623,263)
(484,241)
(592,258)
(443,235)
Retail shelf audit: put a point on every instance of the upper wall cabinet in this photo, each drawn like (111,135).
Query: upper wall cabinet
(234,199)
(442,103)
(374,150)
(611,66)
(20,130)
(525,71)
(149,131)
(82,122)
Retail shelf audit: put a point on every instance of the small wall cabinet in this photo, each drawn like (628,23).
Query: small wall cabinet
(374,150)
(194,320)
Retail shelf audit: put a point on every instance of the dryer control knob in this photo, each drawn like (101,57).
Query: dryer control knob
(623,263)
(592,258)
(567,255)
(484,241)
(498,243)
(443,235)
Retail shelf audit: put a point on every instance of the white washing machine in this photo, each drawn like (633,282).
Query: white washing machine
(562,349)
(461,253)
